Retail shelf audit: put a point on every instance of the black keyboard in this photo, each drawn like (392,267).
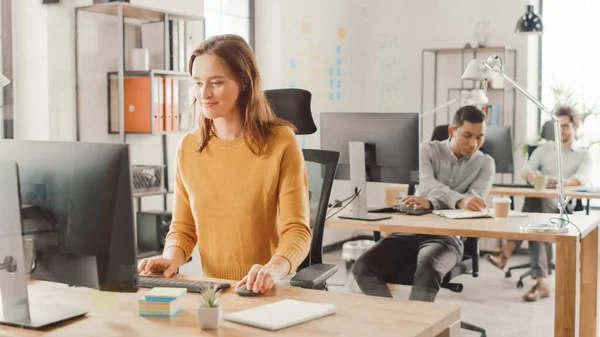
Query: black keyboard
(402,209)
(192,286)
(513,185)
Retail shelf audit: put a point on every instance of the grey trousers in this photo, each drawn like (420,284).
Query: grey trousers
(418,260)
(539,252)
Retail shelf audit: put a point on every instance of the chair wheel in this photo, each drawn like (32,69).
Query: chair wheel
(520,284)
(507,274)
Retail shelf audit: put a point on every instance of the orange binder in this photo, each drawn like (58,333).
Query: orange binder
(137,104)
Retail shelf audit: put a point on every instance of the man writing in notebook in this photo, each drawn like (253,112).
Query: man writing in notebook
(576,166)
(453,174)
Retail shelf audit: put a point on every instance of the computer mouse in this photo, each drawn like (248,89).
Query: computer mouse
(242,291)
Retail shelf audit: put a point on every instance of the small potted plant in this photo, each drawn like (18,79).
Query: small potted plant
(208,312)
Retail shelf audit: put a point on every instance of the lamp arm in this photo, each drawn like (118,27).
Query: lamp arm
(521,90)
(439,107)
(562,202)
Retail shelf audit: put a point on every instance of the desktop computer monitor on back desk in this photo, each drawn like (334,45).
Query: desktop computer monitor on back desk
(498,144)
(374,147)
(71,203)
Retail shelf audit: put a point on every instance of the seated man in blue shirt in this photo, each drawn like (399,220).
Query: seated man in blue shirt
(452,174)
(576,165)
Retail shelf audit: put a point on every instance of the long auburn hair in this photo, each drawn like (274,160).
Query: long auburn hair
(256,114)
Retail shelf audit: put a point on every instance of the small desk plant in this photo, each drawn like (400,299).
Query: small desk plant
(209,312)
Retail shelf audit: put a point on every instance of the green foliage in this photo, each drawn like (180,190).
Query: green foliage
(210,297)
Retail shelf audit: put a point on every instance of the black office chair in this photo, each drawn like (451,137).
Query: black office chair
(321,166)
(470,261)
(293,105)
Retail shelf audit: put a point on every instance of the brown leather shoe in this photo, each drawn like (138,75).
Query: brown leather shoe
(497,259)
(539,290)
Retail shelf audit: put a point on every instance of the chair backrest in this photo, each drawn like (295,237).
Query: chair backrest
(440,133)
(321,166)
(547,132)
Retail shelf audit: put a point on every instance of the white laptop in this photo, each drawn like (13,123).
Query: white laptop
(281,314)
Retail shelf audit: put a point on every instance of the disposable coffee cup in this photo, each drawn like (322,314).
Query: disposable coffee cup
(501,207)
(540,182)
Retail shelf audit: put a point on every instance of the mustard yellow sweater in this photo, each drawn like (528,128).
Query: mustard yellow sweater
(240,208)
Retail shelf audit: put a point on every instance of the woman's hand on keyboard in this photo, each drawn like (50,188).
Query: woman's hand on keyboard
(416,202)
(167,265)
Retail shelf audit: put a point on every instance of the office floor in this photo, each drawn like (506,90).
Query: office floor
(489,301)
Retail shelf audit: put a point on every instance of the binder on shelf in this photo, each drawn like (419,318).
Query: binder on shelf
(168,93)
(175,106)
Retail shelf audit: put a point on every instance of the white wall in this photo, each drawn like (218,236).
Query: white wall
(30,62)
(381,57)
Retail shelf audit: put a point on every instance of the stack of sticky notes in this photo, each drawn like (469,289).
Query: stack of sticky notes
(161,302)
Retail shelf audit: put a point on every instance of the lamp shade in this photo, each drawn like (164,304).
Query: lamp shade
(475,72)
(530,23)
(3,81)
(477,97)
(293,105)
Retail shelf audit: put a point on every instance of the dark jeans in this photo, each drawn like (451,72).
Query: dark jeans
(420,260)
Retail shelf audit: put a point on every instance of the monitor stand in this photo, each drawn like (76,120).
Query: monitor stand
(14,272)
(358,182)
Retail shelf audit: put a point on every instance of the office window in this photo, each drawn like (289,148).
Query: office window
(570,65)
(228,17)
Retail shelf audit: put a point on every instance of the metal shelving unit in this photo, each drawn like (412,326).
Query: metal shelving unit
(471,53)
(125,11)
(466,54)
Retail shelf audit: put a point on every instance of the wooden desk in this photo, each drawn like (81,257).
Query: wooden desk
(576,262)
(392,191)
(357,315)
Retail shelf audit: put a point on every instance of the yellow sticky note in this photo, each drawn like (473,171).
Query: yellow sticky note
(341,33)
(305,27)
(104,300)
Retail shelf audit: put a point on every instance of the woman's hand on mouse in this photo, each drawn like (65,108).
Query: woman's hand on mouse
(261,279)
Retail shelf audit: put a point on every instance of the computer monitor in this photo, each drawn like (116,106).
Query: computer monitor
(375,147)
(74,206)
(498,144)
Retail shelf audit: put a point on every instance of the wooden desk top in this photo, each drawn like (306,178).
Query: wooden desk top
(483,228)
(516,191)
(547,193)
(357,315)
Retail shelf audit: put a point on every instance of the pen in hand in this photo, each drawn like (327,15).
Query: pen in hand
(478,196)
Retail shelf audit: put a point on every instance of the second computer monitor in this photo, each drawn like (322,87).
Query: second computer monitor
(77,206)
(498,144)
(391,141)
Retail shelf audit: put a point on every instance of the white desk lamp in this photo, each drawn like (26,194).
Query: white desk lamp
(467,97)
(481,71)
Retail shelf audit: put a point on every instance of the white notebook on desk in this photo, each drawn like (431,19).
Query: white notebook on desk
(464,214)
(281,314)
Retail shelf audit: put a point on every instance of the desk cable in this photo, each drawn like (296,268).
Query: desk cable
(356,193)
(557,221)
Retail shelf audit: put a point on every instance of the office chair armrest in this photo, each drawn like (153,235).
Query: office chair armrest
(314,276)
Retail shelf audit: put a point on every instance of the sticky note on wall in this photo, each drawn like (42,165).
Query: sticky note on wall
(341,33)
(305,27)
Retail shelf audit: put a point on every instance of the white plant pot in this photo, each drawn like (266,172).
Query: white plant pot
(208,318)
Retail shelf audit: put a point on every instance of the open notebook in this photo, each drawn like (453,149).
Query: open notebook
(463,214)
(281,314)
